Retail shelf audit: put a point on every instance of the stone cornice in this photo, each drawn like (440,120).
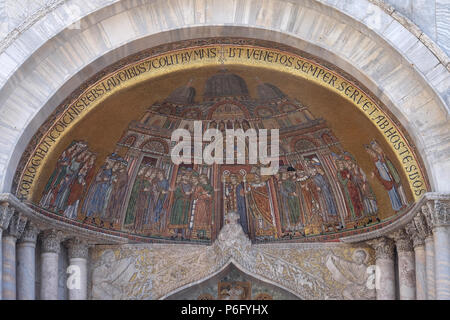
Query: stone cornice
(44,223)
(422,206)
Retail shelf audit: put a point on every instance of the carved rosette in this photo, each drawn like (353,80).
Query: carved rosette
(30,233)
(51,240)
(402,241)
(16,225)
(78,249)
(6,213)
(384,248)
(439,212)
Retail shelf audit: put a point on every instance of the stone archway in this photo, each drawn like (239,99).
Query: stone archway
(232,275)
(343,36)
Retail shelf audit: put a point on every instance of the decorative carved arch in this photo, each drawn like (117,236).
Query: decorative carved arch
(240,268)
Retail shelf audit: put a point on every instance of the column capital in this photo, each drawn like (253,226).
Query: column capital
(6,212)
(439,212)
(51,240)
(416,237)
(402,241)
(17,225)
(384,248)
(78,248)
(30,233)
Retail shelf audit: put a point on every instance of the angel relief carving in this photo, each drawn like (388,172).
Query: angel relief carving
(353,275)
(155,271)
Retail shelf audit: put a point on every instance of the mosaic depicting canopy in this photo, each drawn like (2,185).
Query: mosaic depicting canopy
(113,171)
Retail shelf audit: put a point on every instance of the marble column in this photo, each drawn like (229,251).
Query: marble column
(429,264)
(416,231)
(26,263)
(77,279)
(50,248)
(429,254)
(385,273)
(15,229)
(406,265)
(441,235)
(5,217)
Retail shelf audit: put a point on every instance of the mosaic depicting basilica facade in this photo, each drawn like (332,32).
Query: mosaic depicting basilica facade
(319,191)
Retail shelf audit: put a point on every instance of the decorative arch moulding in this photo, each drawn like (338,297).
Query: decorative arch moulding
(190,55)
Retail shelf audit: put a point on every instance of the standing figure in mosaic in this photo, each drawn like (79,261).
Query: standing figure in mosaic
(290,204)
(261,208)
(180,214)
(204,207)
(235,200)
(311,200)
(161,197)
(119,190)
(367,195)
(387,174)
(79,186)
(95,202)
(64,187)
(145,200)
(351,192)
(130,215)
(53,184)
(325,193)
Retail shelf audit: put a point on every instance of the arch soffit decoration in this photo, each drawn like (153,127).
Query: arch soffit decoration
(230,262)
(28,98)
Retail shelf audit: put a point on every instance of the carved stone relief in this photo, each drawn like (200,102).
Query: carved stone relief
(154,271)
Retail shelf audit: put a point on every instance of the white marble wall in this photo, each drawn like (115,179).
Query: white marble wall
(432,16)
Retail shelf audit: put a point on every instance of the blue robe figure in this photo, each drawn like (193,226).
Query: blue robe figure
(241,208)
(96,199)
(325,190)
(162,186)
(384,174)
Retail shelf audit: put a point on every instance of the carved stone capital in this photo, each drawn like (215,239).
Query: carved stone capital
(78,249)
(384,248)
(415,236)
(30,233)
(51,240)
(16,225)
(439,213)
(402,241)
(6,213)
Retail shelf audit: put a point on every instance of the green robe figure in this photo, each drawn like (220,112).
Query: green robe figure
(179,217)
(290,202)
(130,215)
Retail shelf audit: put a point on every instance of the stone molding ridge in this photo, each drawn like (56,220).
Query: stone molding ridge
(43,222)
(47,8)
(431,204)
(415,30)
(409,25)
